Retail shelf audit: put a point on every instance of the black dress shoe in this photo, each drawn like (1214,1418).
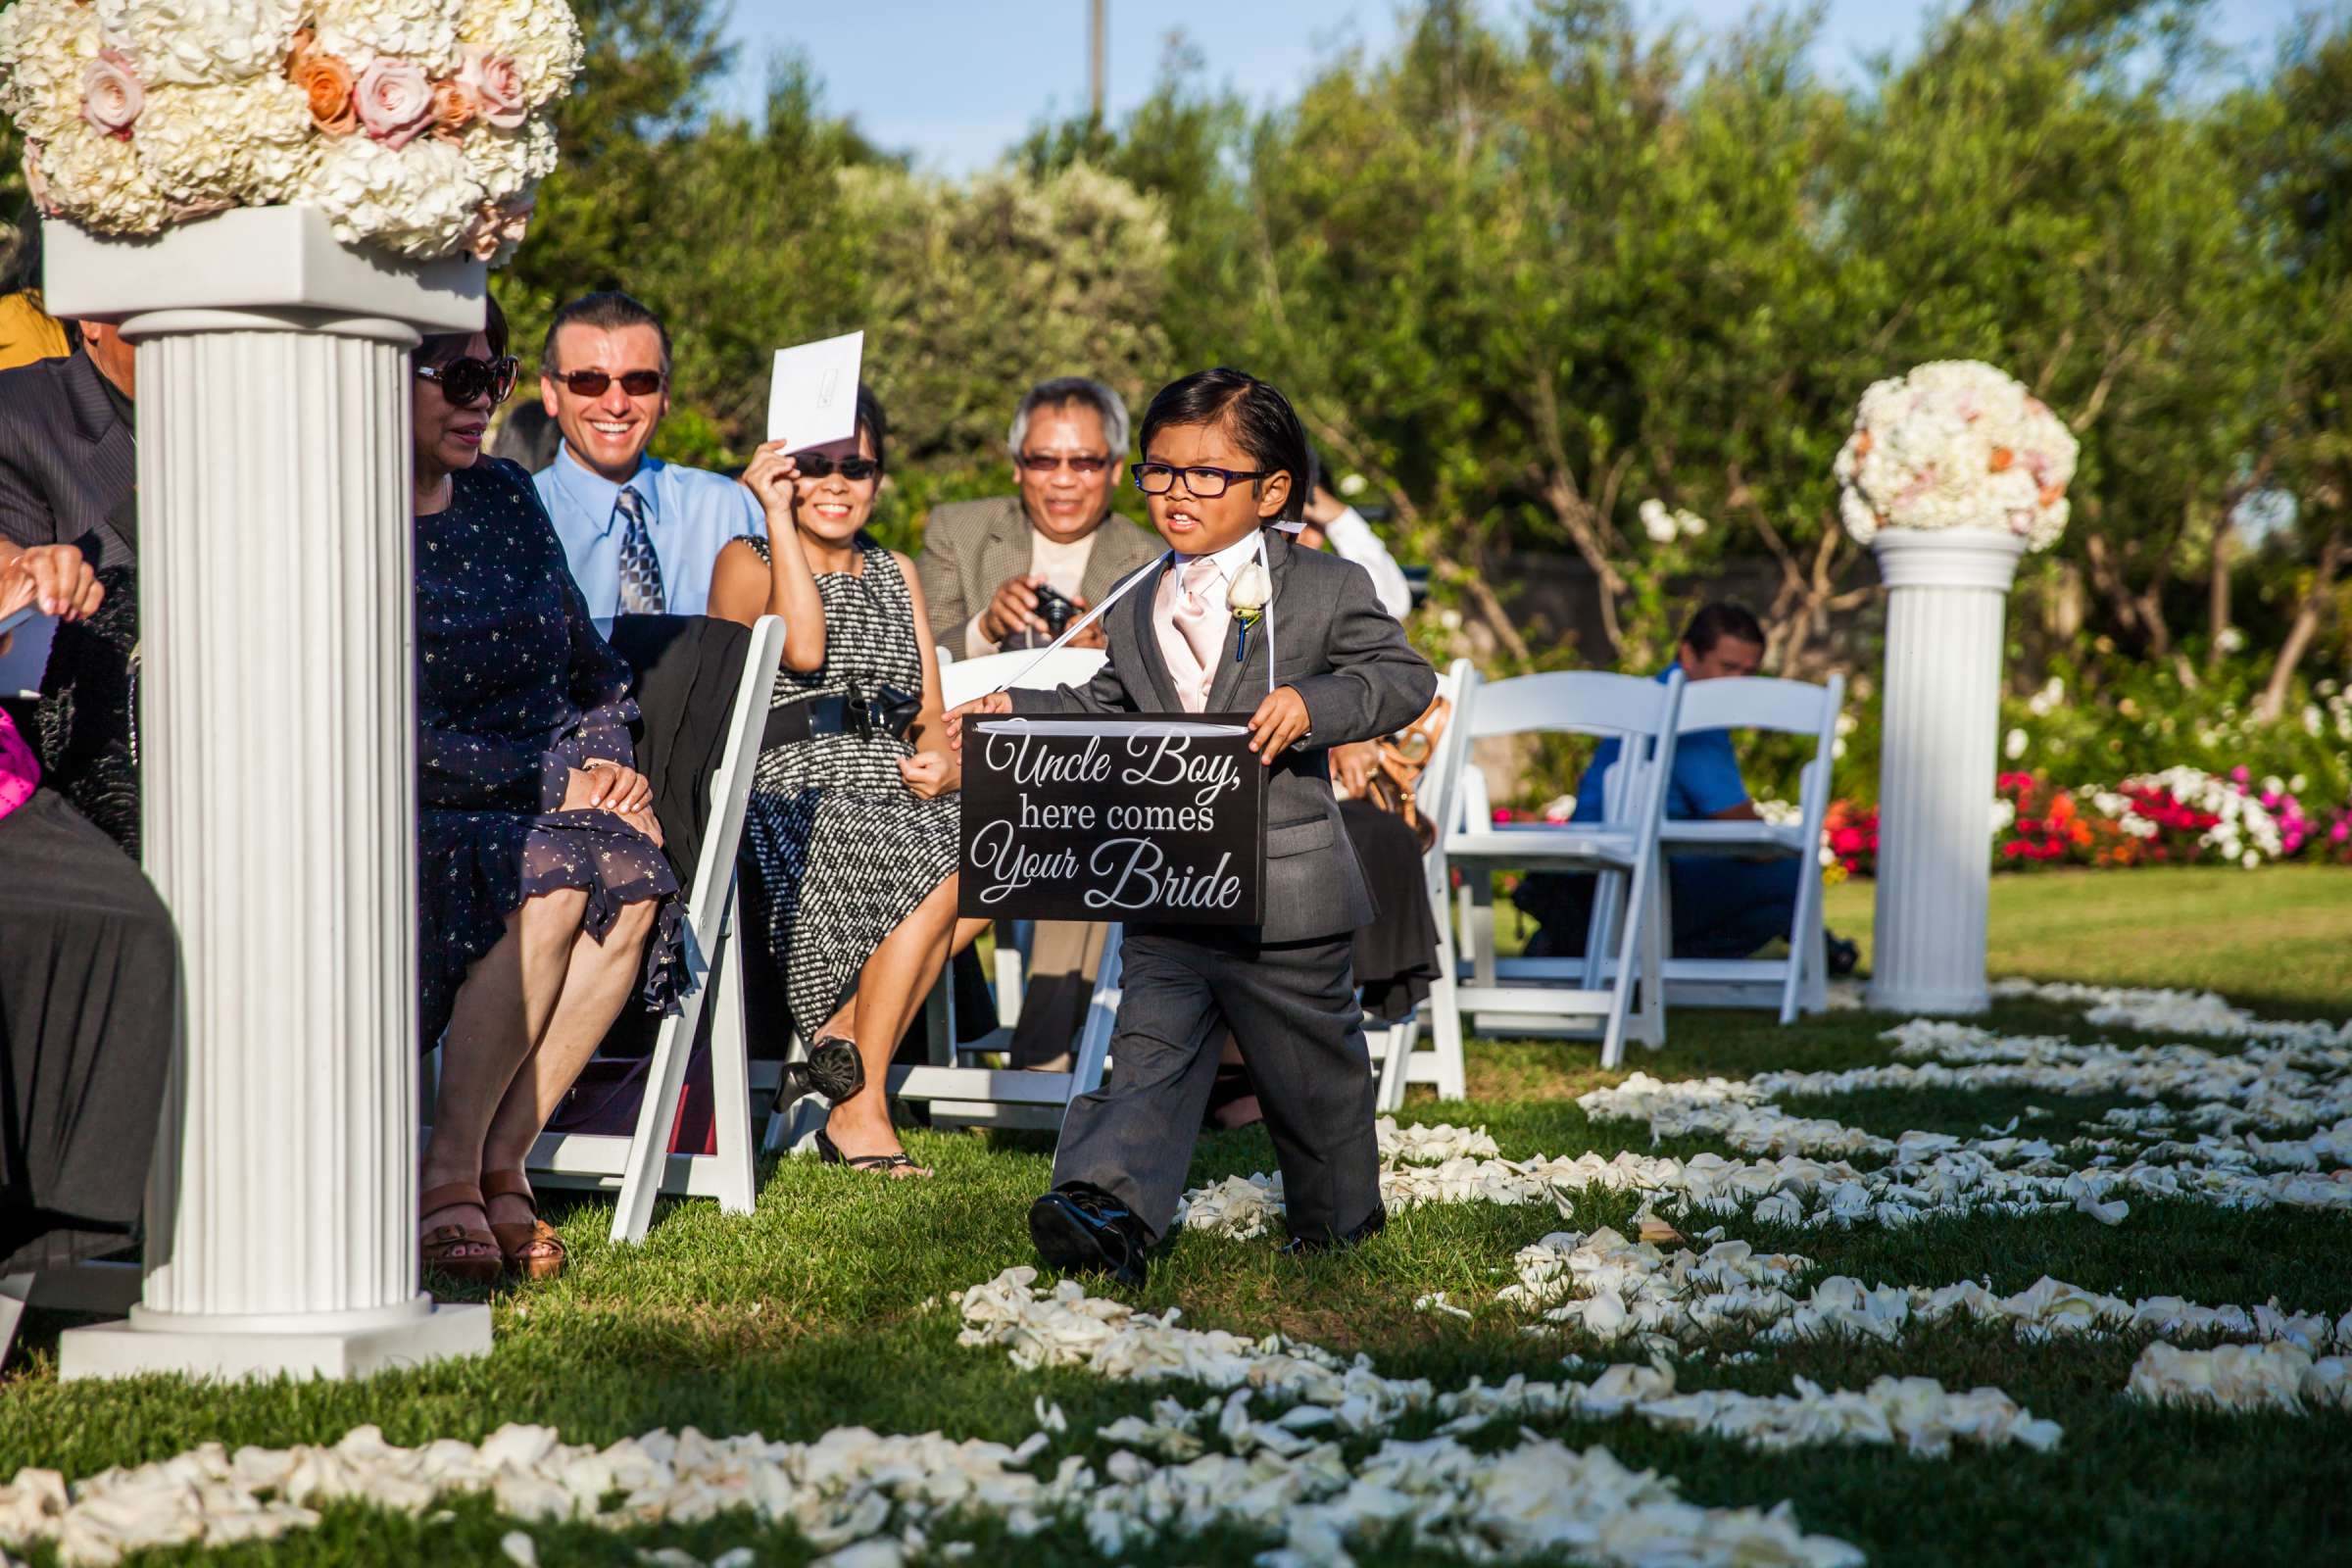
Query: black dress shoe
(1303,1246)
(1843,956)
(1081,1229)
(833,1070)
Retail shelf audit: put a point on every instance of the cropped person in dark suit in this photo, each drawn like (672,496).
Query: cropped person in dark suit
(67,471)
(1224,455)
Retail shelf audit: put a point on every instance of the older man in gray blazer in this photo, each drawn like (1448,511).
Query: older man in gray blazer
(983,566)
(983,562)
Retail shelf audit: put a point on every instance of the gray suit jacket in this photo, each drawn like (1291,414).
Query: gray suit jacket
(1349,662)
(66,461)
(971,547)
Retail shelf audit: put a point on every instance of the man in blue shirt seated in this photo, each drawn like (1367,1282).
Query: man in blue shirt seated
(1723,907)
(642,535)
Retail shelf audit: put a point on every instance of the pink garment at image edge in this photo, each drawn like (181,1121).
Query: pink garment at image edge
(19,772)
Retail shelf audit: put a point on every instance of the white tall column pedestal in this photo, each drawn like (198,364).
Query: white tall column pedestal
(277,764)
(1947,594)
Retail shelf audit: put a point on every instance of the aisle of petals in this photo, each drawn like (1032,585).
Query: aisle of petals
(1301,1447)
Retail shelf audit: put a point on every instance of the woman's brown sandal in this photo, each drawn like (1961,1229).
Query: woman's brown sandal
(530,1247)
(437,1249)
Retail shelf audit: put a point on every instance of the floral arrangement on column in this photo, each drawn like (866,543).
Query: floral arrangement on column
(1955,444)
(417,126)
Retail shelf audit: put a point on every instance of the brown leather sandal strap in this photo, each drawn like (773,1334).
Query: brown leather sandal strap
(510,1184)
(448,1195)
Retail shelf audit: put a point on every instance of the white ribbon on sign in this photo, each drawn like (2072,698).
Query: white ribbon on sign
(1128,587)
(1171,728)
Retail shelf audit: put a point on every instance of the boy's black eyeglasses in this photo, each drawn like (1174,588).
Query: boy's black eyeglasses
(1157,479)
(816,466)
(592,384)
(1048,462)
(466,379)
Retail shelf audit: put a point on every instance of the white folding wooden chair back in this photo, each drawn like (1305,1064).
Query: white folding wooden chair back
(1621,849)
(1799,983)
(641,1165)
(1402,1062)
(974,1094)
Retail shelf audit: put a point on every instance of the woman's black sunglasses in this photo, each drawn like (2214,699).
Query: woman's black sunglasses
(816,466)
(466,379)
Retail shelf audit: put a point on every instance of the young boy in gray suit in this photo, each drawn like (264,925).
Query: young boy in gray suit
(1224,455)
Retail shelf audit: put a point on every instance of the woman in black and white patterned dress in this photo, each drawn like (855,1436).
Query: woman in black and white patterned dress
(852,833)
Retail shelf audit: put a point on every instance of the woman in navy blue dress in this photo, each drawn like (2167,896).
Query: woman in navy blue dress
(540,872)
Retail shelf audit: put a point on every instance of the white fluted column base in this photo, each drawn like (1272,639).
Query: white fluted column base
(1947,595)
(279,799)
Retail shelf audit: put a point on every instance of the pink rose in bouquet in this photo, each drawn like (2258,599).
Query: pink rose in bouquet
(112,95)
(395,101)
(496,85)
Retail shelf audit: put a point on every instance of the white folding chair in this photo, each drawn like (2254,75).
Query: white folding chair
(1801,981)
(960,1089)
(641,1165)
(1622,848)
(1395,1048)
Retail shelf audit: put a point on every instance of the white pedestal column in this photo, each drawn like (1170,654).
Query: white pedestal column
(277,762)
(1947,594)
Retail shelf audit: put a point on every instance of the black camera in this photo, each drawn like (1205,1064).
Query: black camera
(1054,610)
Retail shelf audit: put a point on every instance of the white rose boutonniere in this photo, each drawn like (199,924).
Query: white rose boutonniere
(1246,599)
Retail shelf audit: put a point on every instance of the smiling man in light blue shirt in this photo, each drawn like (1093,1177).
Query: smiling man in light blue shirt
(642,535)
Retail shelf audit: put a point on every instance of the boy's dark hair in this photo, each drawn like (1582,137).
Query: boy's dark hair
(439,347)
(1262,421)
(610,309)
(1723,619)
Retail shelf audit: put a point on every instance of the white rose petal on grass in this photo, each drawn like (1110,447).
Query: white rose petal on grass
(2276,1376)
(520,1549)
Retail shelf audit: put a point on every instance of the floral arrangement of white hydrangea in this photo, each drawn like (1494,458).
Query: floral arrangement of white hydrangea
(418,127)
(1955,444)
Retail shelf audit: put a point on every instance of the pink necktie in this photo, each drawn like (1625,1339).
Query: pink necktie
(1201,628)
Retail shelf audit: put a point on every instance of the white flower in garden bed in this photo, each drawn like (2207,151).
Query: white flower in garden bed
(1955,444)
(418,127)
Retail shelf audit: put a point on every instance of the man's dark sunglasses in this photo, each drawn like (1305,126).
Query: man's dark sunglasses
(592,384)
(466,379)
(1048,462)
(1159,479)
(816,466)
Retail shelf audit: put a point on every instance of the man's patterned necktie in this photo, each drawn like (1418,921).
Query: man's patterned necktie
(640,567)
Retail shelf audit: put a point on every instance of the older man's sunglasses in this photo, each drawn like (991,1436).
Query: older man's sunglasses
(1048,462)
(592,384)
(467,379)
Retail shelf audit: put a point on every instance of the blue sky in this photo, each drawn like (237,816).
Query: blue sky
(957,80)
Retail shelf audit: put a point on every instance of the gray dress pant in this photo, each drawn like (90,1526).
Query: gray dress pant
(1291,1006)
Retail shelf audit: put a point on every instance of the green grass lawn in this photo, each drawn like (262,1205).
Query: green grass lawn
(808,1315)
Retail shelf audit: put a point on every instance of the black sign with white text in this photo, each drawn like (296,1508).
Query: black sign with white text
(1147,818)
